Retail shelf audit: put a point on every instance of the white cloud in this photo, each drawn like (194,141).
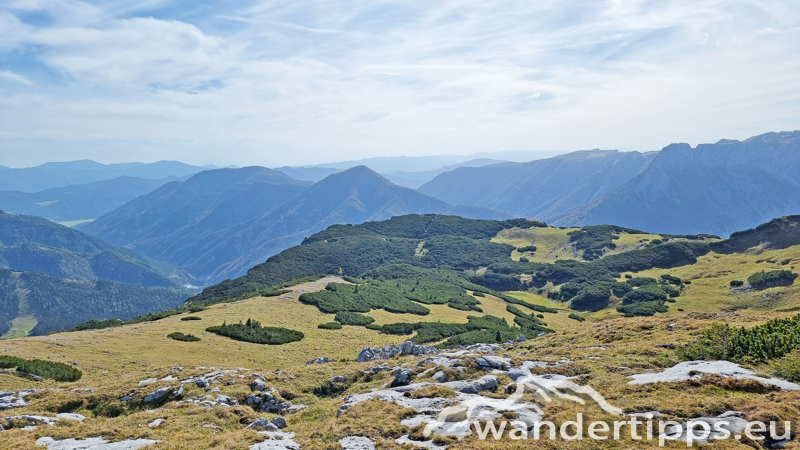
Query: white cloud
(11,76)
(292,82)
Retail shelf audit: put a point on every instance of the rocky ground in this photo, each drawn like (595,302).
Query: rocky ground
(409,395)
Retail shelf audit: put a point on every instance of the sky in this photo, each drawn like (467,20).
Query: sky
(299,82)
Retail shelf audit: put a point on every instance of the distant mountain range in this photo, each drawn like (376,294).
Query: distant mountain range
(714,188)
(219,223)
(406,178)
(80,201)
(59,174)
(540,189)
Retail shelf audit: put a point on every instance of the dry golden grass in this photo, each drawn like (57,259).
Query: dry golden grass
(604,354)
(553,243)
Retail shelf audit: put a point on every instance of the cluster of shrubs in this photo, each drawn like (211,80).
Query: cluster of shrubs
(330,326)
(577,317)
(594,239)
(252,331)
(98,324)
(763,279)
(527,248)
(183,337)
(47,369)
(352,318)
(768,341)
(483,329)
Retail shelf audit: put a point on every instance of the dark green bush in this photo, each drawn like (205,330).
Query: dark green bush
(768,341)
(48,369)
(374,326)
(190,318)
(527,248)
(351,318)
(737,283)
(183,337)
(9,362)
(252,331)
(330,326)
(762,279)
(95,324)
(574,316)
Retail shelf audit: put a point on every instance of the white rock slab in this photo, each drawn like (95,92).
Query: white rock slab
(695,369)
(95,443)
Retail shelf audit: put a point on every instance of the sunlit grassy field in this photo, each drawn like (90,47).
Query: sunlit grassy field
(553,243)
(20,327)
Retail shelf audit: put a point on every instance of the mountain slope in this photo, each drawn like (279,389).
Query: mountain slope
(80,201)
(35,244)
(353,196)
(56,174)
(219,223)
(161,222)
(542,188)
(54,303)
(714,188)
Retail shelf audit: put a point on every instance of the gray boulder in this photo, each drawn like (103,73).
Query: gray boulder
(402,377)
(339,379)
(157,395)
(280,422)
(440,376)
(258,385)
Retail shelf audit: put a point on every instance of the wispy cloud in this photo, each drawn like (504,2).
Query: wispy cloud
(274,82)
(16,78)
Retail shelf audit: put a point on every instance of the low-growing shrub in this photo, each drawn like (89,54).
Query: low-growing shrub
(330,326)
(190,318)
(183,337)
(96,324)
(48,369)
(353,318)
(374,326)
(9,362)
(737,283)
(527,248)
(574,316)
(252,331)
(772,278)
(788,367)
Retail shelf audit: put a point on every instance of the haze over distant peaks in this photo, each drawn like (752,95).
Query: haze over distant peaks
(219,223)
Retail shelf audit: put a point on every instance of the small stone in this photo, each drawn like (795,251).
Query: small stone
(440,376)
(339,379)
(155,423)
(258,385)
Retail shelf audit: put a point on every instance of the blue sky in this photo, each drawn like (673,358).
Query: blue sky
(299,82)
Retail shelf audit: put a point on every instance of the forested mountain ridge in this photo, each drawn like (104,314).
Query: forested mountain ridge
(55,303)
(35,244)
(468,250)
